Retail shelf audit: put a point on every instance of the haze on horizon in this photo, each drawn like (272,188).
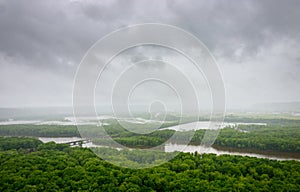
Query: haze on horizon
(256,44)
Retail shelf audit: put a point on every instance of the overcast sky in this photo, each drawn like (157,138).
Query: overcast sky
(256,44)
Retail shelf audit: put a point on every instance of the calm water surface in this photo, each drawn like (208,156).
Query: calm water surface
(200,149)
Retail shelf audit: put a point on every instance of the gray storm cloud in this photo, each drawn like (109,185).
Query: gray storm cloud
(256,44)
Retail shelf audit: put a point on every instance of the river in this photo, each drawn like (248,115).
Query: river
(200,149)
(205,125)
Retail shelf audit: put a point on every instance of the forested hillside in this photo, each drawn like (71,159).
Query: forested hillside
(56,167)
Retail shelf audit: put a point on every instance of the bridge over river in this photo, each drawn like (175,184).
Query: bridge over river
(78,142)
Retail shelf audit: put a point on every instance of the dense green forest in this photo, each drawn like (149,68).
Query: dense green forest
(7,143)
(58,167)
(39,130)
(272,137)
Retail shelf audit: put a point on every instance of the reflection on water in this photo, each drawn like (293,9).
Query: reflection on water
(13,122)
(193,148)
(59,139)
(79,121)
(201,149)
(205,125)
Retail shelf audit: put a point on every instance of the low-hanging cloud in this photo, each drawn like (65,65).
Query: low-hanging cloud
(256,44)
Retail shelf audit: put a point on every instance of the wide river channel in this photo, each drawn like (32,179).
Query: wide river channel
(200,149)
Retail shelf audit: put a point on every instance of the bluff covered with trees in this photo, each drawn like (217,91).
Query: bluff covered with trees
(57,167)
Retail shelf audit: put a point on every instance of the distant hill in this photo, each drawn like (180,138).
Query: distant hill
(277,107)
(35,113)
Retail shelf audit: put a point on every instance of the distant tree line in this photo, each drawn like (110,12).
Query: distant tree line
(270,137)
